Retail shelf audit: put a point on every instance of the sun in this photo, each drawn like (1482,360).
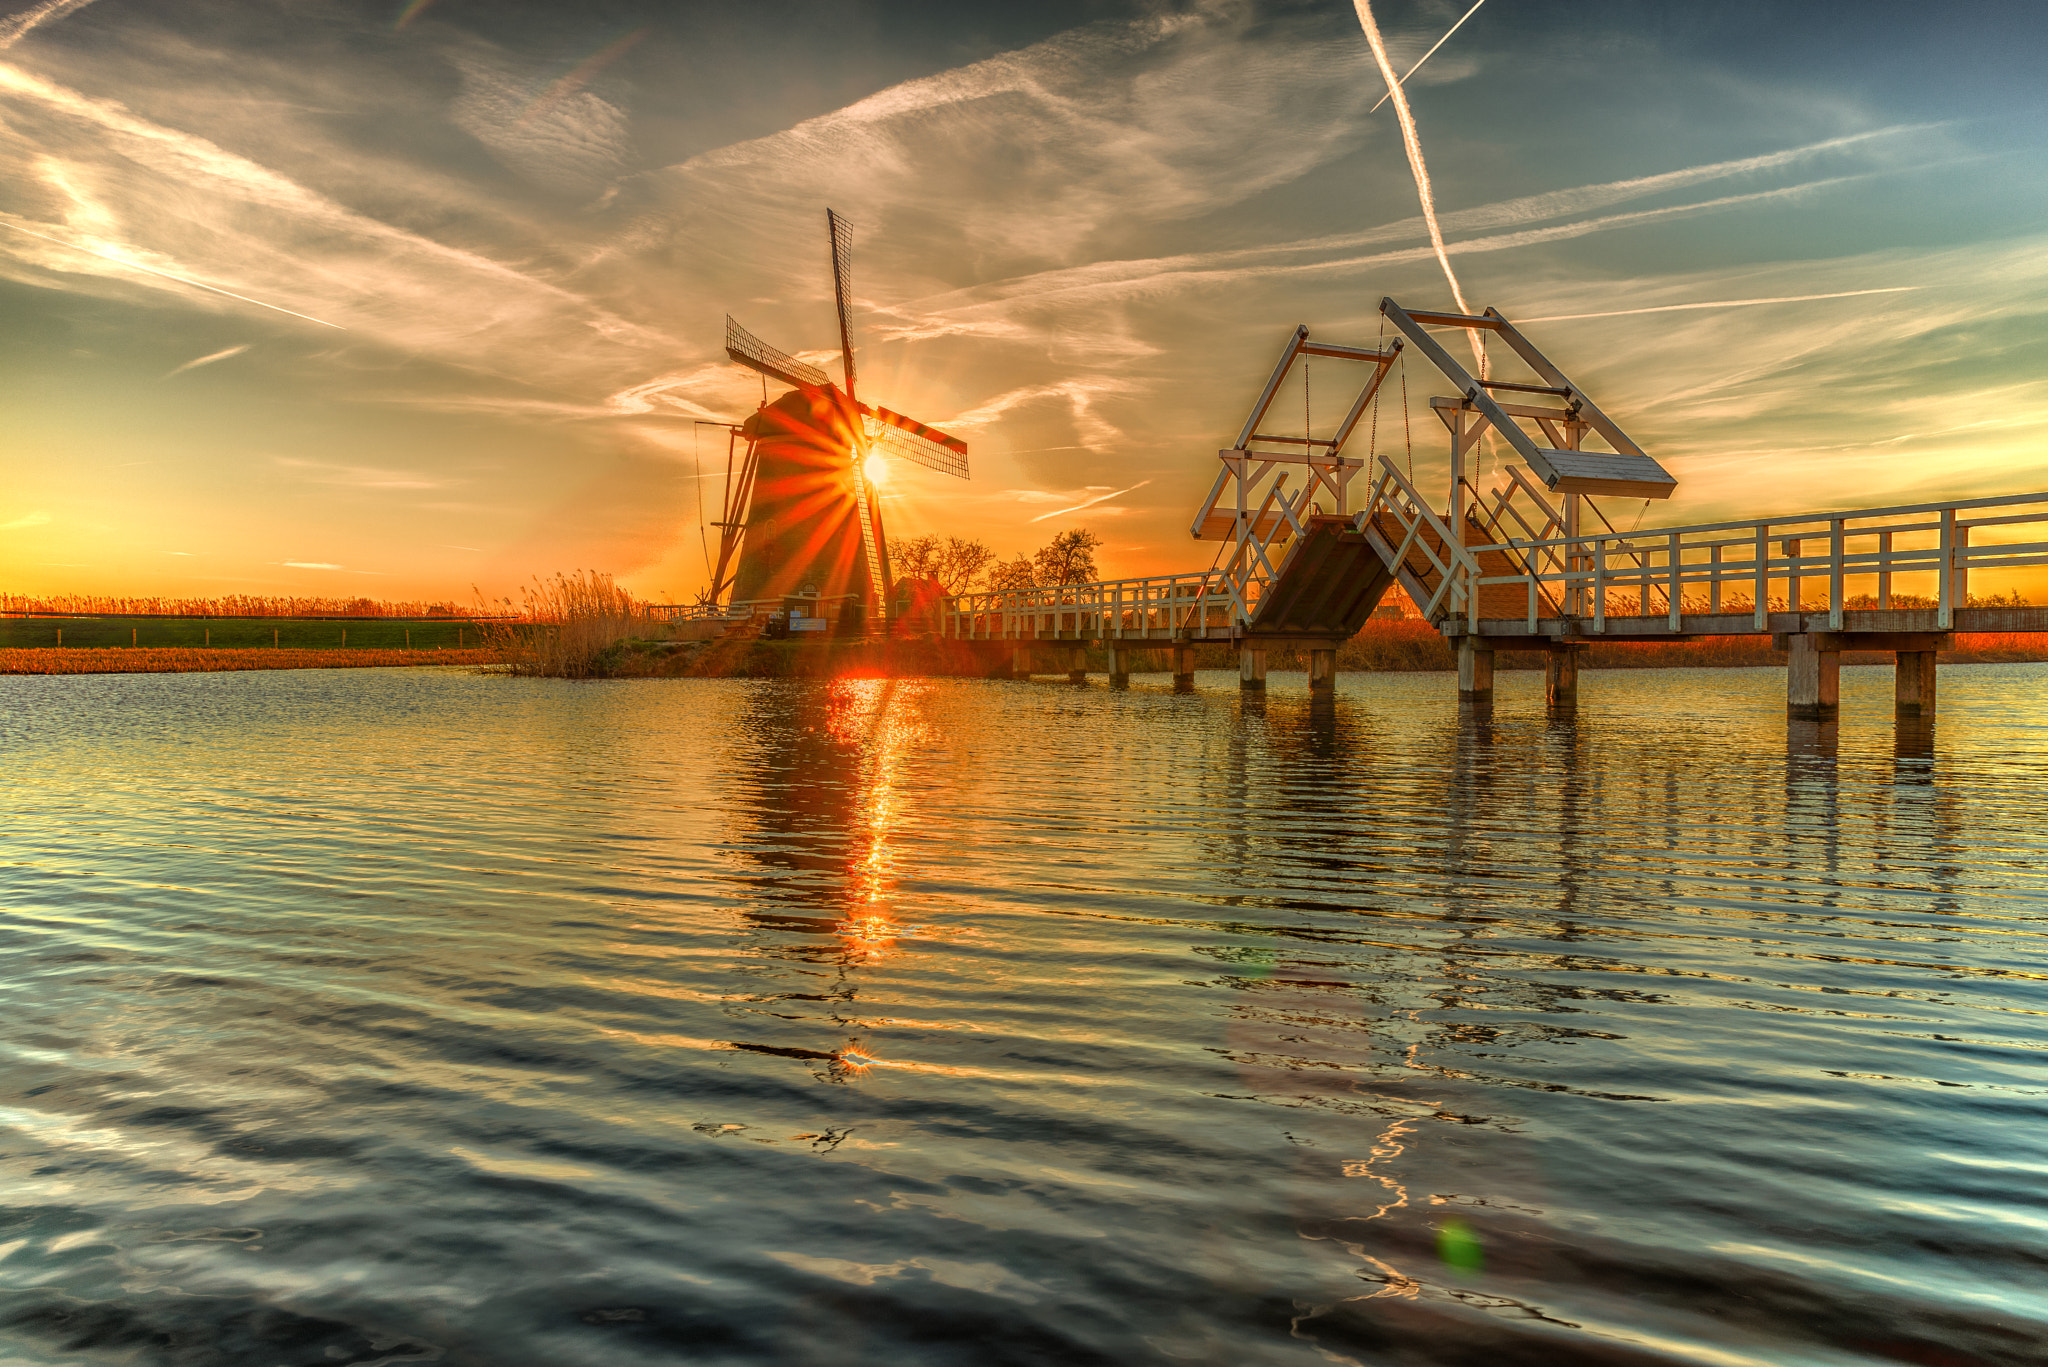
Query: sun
(876,469)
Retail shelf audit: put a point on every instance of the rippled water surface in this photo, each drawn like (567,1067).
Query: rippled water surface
(371,1017)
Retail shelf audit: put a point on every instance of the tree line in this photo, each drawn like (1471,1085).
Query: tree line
(964,565)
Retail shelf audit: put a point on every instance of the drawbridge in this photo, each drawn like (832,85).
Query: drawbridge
(1310,540)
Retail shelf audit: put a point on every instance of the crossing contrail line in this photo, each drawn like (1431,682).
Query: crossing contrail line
(1090,503)
(16,27)
(1413,143)
(1720,304)
(168,275)
(1429,54)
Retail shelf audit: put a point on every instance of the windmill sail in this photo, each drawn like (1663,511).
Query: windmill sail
(750,351)
(873,543)
(802,515)
(912,440)
(842,286)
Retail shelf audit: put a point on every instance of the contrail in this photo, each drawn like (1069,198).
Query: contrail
(208,360)
(1429,54)
(1415,164)
(1089,503)
(181,279)
(583,73)
(1721,304)
(15,27)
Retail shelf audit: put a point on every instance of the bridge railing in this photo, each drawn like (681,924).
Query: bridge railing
(1160,607)
(1398,519)
(1923,555)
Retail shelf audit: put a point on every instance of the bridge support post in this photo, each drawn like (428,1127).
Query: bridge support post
(1183,668)
(1813,678)
(1322,671)
(1020,662)
(1119,664)
(1077,665)
(1915,682)
(1561,678)
(1251,668)
(1475,671)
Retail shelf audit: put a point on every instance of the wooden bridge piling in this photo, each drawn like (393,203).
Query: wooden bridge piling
(1914,685)
(1561,678)
(1183,668)
(1322,671)
(1813,676)
(1251,667)
(1475,670)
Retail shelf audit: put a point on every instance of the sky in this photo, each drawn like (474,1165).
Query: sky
(422,299)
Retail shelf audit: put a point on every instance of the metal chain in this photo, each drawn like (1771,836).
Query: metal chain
(1407,433)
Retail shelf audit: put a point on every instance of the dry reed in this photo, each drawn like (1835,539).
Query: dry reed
(233,605)
(185,660)
(573,626)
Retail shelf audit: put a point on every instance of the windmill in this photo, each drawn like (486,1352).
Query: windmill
(801,517)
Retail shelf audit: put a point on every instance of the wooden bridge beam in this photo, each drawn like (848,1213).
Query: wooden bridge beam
(1813,677)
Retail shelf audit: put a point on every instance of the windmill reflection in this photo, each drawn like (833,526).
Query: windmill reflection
(825,819)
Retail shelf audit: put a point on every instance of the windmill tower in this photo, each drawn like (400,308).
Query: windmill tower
(801,515)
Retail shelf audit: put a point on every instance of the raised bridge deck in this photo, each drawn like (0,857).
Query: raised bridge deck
(1524,574)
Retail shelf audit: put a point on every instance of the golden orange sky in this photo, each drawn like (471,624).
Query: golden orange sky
(400,299)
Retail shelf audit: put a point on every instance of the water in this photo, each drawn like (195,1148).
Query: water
(374,1017)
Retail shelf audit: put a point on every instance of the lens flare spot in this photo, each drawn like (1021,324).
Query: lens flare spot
(1458,1246)
(876,468)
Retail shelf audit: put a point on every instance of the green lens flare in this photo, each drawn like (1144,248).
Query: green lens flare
(1458,1246)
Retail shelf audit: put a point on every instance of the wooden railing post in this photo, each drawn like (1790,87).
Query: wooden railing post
(1960,597)
(1945,586)
(1674,600)
(1762,605)
(1836,587)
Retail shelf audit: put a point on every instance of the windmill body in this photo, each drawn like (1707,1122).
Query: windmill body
(802,536)
(802,531)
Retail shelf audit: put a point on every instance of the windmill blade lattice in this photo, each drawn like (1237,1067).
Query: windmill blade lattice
(913,441)
(750,351)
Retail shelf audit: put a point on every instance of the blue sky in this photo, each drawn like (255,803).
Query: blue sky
(475,259)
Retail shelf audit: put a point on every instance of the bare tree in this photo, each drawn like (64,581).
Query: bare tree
(1012,575)
(1070,559)
(955,561)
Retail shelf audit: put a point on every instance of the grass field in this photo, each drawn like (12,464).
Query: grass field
(250,633)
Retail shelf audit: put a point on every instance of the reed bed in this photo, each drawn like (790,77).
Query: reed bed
(573,626)
(203,660)
(233,605)
(1414,645)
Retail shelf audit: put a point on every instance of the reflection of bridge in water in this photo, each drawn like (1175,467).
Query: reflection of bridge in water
(1534,563)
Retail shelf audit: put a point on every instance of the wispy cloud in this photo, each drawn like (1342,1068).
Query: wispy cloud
(358,476)
(15,27)
(38,518)
(198,361)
